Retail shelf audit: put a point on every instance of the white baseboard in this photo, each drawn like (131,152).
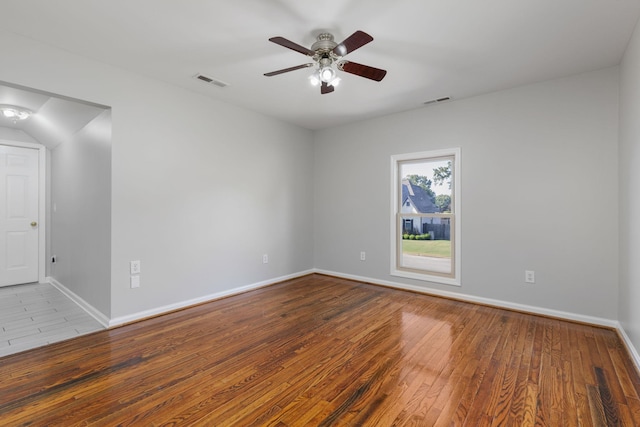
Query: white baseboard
(91,310)
(609,323)
(117,321)
(633,352)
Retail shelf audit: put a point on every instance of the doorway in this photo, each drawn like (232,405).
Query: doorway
(73,140)
(22,225)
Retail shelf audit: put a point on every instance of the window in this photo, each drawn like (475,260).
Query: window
(425,216)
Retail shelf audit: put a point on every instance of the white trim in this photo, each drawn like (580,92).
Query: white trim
(117,321)
(42,228)
(425,277)
(633,352)
(80,302)
(394,271)
(42,200)
(599,321)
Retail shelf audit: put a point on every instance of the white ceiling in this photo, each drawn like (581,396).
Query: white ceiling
(55,119)
(430,48)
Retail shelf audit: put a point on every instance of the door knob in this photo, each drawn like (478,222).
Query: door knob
(33,224)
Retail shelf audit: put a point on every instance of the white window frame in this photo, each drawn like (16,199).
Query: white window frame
(396,223)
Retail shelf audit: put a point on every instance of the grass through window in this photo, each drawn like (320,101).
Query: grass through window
(431,248)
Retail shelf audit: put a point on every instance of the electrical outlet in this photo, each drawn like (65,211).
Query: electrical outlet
(530,276)
(135,282)
(363,256)
(265,259)
(134,267)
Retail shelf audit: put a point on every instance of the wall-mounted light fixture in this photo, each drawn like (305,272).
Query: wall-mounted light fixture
(15,113)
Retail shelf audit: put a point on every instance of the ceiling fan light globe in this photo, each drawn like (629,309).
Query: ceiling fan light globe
(314,79)
(327,74)
(335,82)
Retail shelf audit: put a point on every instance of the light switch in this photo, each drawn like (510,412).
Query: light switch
(135,282)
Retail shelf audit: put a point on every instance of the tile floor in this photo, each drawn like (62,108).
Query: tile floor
(37,314)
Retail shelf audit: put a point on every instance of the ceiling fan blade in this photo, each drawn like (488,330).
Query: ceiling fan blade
(286,70)
(291,45)
(326,88)
(353,42)
(362,70)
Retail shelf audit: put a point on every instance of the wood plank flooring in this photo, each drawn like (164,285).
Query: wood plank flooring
(322,351)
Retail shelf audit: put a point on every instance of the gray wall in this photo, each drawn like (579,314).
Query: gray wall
(630,190)
(200,189)
(10,134)
(80,235)
(538,188)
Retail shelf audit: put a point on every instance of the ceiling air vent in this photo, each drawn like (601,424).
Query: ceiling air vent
(210,80)
(439,100)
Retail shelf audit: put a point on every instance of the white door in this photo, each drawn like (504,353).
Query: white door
(18,215)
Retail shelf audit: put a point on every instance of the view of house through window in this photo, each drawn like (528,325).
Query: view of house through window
(425,214)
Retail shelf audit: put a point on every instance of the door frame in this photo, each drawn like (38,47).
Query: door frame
(42,199)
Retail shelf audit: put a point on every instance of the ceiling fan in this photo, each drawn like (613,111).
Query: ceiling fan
(325,52)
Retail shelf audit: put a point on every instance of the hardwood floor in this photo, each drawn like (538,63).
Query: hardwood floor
(321,351)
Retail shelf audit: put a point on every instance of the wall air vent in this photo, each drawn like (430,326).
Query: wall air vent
(439,100)
(210,80)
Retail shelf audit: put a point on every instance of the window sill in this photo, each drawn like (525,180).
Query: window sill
(426,277)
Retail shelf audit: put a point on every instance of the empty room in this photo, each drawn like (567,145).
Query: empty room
(346,213)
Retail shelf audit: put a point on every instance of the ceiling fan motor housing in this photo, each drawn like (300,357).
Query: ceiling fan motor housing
(324,43)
